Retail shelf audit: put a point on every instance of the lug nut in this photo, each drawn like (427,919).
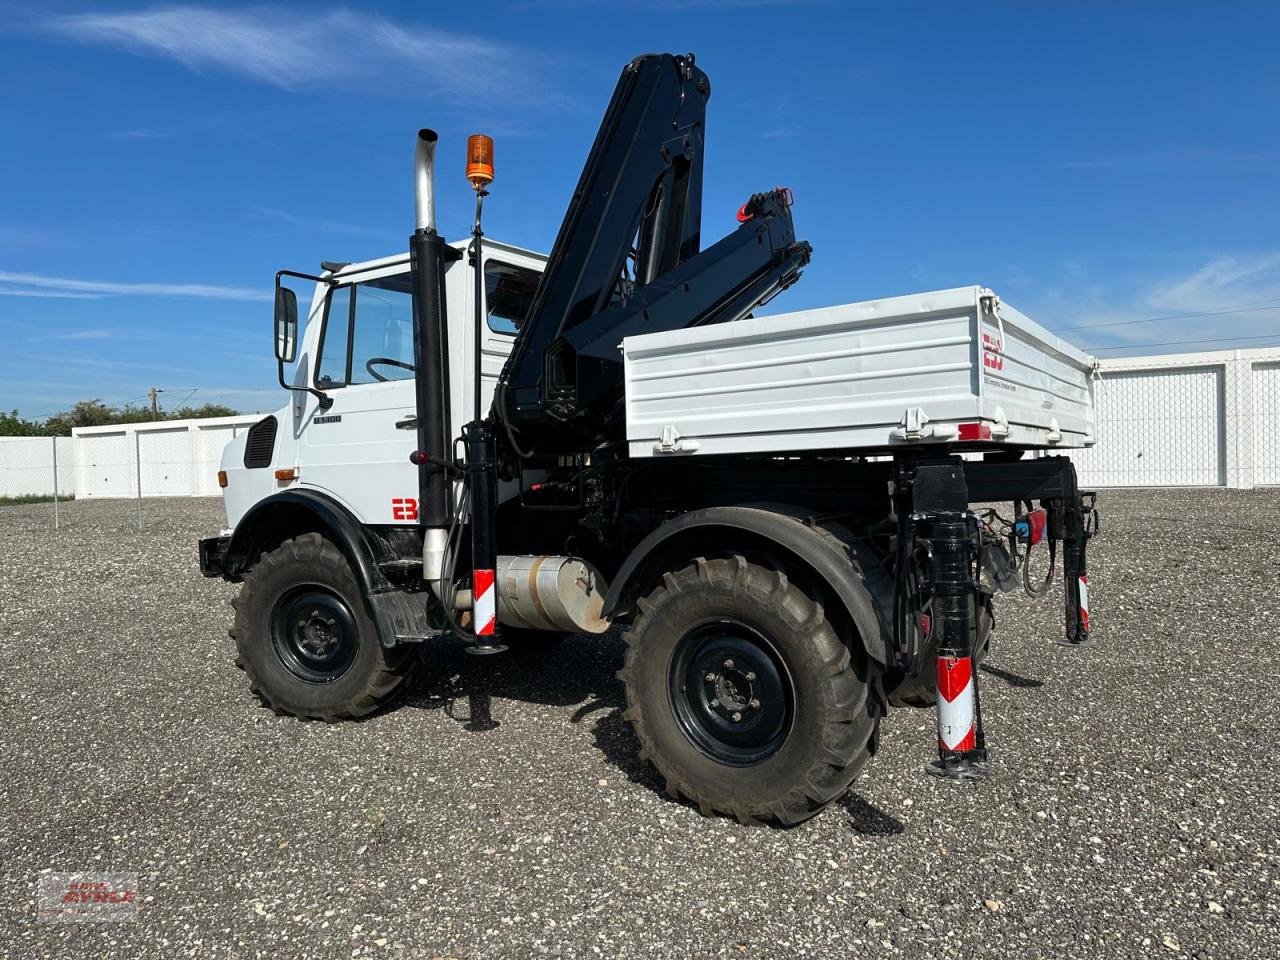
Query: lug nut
(728,664)
(711,678)
(737,716)
(754,704)
(715,702)
(750,676)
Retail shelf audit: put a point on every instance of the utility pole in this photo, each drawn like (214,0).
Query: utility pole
(154,394)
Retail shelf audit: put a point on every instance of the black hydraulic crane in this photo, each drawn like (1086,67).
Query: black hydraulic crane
(628,260)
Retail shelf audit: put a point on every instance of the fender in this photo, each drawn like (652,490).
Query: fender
(291,509)
(821,550)
(280,516)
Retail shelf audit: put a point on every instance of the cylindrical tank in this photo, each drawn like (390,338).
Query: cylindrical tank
(551,593)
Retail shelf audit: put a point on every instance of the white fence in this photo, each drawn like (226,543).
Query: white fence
(29,465)
(1187,420)
(1184,420)
(172,458)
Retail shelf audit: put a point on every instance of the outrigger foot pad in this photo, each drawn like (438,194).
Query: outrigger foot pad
(1084,644)
(959,768)
(485,649)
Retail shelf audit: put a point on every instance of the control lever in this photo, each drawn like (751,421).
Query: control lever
(408,423)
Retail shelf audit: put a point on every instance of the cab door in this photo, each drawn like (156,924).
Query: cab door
(354,450)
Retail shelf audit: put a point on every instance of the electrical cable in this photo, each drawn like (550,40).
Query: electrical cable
(449,562)
(1250,307)
(1039,591)
(1178,343)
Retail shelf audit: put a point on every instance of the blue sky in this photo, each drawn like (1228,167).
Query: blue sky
(1094,163)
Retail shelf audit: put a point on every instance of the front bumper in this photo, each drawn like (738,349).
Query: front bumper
(213,553)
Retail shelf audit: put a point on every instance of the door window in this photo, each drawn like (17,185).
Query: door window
(508,293)
(368,333)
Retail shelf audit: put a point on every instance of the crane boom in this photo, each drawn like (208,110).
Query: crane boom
(639,199)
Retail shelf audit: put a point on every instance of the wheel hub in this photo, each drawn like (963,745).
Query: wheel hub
(316,633)
(734,691)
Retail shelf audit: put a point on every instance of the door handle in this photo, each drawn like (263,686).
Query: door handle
(408,423)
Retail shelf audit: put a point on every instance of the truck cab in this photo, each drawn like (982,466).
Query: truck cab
(356,349)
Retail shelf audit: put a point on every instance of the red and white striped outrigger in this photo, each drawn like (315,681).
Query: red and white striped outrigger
(932,497)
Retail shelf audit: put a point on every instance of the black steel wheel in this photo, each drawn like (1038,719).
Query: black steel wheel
(305,639)
(744,696)
(314,634)
(731,692)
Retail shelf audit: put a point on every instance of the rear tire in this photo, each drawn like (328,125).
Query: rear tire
(744,697)
(305,639)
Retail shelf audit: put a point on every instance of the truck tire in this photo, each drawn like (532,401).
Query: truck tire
(744,697)
(304,638)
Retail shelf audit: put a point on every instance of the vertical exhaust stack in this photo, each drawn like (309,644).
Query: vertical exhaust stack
(424,181)
(427,258)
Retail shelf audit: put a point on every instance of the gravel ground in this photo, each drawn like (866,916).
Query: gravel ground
(1134,810)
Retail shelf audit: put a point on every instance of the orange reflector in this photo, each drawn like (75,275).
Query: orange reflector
(222,478)
(480,160)
(974,431)
(288,473)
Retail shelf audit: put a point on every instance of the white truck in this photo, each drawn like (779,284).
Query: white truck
(776,509)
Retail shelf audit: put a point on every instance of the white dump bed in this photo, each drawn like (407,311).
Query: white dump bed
(952,365)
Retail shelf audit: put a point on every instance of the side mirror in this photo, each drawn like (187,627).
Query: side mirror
(286,324)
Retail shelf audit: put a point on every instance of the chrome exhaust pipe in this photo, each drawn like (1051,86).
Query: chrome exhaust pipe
(430,359)
(424,181)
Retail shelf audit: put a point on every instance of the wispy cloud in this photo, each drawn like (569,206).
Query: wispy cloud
(1175,158)
(312,223)
(65,286)
(669,4)
(140,133)
(1221,282)
(51,294)
(296,49)
(1230,300)
(99,334)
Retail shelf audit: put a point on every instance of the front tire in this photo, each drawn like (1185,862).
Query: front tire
(744,697)
(305,639)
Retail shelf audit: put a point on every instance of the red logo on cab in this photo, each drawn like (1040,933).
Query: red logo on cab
(404,508)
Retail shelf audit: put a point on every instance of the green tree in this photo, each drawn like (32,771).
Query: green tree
(95,413)
(12,425)
(203,411)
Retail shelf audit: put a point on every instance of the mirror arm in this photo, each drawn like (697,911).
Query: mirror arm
(323,399)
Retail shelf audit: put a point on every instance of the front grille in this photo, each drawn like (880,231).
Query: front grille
(261,443)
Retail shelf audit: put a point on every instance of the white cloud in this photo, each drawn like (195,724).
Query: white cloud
(311,223)
(54,294)
(65,286)
(1230,300)
(305,48)
(1222,282)
(84,335)
(140,133)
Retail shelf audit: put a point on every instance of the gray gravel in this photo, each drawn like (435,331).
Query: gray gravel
(1134,811)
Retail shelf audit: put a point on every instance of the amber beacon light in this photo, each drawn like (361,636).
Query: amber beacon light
(479,160)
